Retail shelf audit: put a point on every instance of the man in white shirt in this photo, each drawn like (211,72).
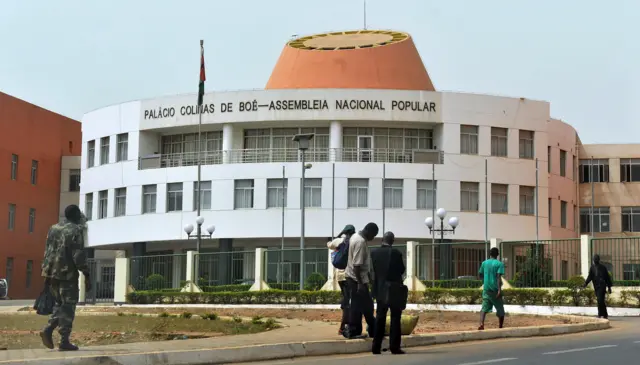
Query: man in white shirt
(358,280)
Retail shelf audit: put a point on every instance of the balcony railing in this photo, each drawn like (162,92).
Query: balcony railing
(291,155)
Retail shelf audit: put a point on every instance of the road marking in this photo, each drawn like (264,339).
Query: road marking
(490,361)
(577,350)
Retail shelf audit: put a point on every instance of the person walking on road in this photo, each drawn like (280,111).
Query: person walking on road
(599,275)
(491,272)
(343,237)
(388,270)
(64,257)
(358,280)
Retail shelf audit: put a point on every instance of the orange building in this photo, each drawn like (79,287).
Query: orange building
(33,141)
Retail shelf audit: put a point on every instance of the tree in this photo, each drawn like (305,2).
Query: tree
(536,271)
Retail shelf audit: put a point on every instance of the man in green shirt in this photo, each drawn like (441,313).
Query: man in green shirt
(491,272)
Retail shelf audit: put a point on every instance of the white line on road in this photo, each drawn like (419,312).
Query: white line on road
(490,361)
(577,350)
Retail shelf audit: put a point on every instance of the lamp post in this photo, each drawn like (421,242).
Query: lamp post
(303,145)
(188,229)
(453,224)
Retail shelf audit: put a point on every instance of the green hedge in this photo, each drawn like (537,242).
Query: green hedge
(571,297)
(454,283)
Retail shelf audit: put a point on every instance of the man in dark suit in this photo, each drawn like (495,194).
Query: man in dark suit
(599,275)
(388,268)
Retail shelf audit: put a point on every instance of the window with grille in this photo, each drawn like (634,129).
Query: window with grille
(393,193)
(631,219)
(357,193)
(601,217)
(185,146)
(527,200)
(149,198)
(499,198)
(526,144)
(103,199)
(205,195)
(32,220)
(120,202)
(390,144)
(469,139)
(14,167)
(631,271)
(499,141)
(469,196)
(563,163)
(9,270)
(313,193)
(243,194)
(174,197)
(629,170)
(426,194)
(91,153)
(74,180)
(88,206)
(12,216)
(549,159)
(122,147)
(104,150)
(277,145)
(277,193)
(550,212)
(34,172)
(594,170)
(563,214)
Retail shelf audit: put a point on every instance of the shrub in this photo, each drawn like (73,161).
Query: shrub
(154,282)
(210,316)
(163,315)
(257,320)
(237,319)
(455,283)
(270,323)
(186,315)
(314,282)
(536,271)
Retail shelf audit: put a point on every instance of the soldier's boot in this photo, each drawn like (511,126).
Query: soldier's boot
(47,337)
(65,344)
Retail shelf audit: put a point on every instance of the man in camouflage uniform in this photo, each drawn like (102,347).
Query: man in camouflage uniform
(64,257)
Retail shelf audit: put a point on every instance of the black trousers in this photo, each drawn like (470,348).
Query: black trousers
(394,328)
(344,303)
(602,303)
(361,305)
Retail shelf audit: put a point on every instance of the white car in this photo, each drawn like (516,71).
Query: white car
(4,289)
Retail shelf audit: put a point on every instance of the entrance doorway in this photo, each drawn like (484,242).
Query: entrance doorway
(365,148)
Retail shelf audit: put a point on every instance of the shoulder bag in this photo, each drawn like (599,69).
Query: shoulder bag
(395,293)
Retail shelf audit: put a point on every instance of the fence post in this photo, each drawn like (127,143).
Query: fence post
(192,277)
(506,252)
(331,283)
(121,285)
(82,293)
(259,283)
(585,255)
(412,282)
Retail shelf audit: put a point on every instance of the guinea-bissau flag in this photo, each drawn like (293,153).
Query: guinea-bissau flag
(202,75)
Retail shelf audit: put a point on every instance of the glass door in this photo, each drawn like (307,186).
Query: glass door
(365,148)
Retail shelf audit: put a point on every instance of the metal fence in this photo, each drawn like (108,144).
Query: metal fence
(621,256)
(450,264)
(282,268)
(102,273)
(217,270)
(157,272)
(542,263)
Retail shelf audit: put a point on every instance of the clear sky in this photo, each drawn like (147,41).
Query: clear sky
(73,56)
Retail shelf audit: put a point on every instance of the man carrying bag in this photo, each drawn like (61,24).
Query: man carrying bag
(390,293)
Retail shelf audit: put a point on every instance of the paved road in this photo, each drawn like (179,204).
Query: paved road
(619,345)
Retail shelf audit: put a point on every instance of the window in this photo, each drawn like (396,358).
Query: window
(34,172)
(630,170)
(598,171)
(103,199)
(312,193)
(469,196)
(563,214)
(392,193)
(9,270)
(600,220)
(499,141)
(122,147)
(277,193)
(526,144)
(277,145)
(469,139)
(29,273)
(14,167)
(549,159)
(205,195)
(631,271)
(391,144)
(12,216)
(563,163)
(149,196)
(32,220)
(357,193)
(74,180)
(527,200)
(88,206)
(121,202)
(630,219)
(91,154)
(243,195)
(174,197)
(426,194)
(549,213)
(104,150)
(499,198)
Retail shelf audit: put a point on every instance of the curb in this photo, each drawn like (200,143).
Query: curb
(315,348)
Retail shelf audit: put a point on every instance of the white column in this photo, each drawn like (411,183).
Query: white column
(259,283)
(227,143)
(331,283)
(412,282)
(585,255)
(509,264)
(335,141)
(82,294)
(121,285)
(177,268)
(192,285)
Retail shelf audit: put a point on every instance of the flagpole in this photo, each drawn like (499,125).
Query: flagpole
(199,232)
